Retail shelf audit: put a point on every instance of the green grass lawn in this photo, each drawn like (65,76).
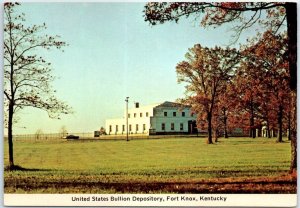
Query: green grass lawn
(168,160)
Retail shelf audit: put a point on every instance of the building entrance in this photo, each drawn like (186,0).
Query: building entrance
(192,127)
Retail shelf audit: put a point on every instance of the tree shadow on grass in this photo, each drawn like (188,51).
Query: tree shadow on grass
(20,168)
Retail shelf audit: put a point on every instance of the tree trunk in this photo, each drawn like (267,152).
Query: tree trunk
(279,123)
(291,18)
(252,130)
(293,134)
(268,130)
(209,129)
(225,132)
(269,133)
(216,135)
(289,126)
(225,124)
(293,166)
(291,14)
(10,136)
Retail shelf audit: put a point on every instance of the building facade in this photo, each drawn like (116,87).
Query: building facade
(164,118)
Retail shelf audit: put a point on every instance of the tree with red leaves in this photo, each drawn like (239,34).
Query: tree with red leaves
(246,14)
(246,91)
(272,15)
(206,71)
(268,55)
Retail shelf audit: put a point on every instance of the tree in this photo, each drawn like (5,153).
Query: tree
(225,106)
(63,131)
(218,121)
(268,56)
(102,131)
(206,72)
(245,14)
(27,76)
(38,134)
(248,90)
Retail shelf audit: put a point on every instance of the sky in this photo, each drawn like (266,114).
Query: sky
(112,53)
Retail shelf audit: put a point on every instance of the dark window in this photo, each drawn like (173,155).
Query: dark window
(181,127)
(147,114)
(128,115)
(183,114)
(144,127)
(123,128)
(110,129)
(141,114)
(163,126)
(134,115)
(116,128)
(165,114)
(129,127)
(174,114)
(172,126)
(136,127)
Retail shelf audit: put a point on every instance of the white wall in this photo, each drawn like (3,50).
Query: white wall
(169,119)
(136,117)
(150,117)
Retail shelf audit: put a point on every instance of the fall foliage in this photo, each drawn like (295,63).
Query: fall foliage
(206,73)
(272,16)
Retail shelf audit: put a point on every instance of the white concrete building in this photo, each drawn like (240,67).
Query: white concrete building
(164,118)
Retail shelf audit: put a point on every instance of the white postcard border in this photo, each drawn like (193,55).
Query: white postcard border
(216,200)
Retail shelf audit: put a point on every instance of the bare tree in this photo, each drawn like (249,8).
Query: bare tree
(38,134)
(63,131)
(27,76)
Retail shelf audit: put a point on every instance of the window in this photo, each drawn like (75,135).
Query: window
(141,114)
(136,127)
(129,127)
(183,114)
(163,126)
(172,126)
(174,114)
(147,114)
(116,128)
(144,127)
(110,128)
(128,115)
(181,127)
(165,114)
(134,115)
(123,128)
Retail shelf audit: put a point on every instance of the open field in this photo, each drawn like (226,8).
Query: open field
(169,165)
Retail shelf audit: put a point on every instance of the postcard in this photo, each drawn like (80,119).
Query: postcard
(150,104)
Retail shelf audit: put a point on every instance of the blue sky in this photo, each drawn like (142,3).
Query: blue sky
(112,54)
